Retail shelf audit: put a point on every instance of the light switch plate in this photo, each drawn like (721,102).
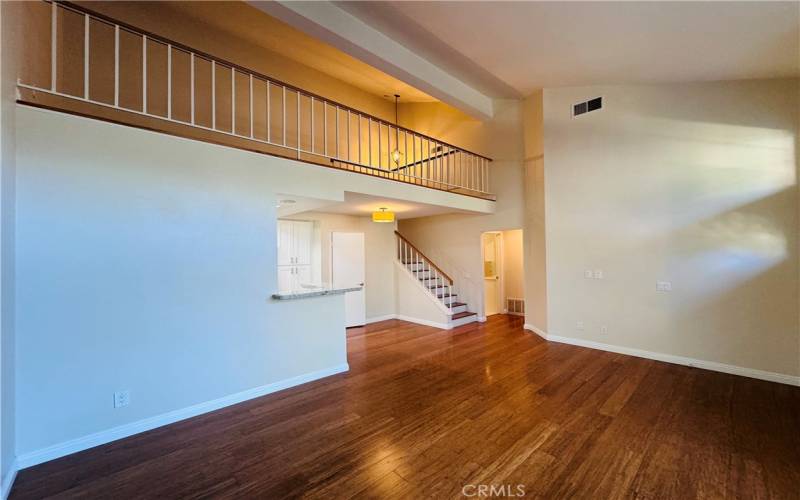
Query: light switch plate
(587,274)
(598,274)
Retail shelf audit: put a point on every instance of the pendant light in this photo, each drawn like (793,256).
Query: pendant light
(396,155)
(383,215)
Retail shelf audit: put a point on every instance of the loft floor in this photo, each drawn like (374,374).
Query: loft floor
(424,412)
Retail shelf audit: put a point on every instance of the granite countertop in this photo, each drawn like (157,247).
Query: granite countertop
(305,293)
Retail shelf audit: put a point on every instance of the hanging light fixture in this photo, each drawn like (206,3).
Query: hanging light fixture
(396,154)
(383,215)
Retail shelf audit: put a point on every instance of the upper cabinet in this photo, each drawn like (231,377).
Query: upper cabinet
(295,241)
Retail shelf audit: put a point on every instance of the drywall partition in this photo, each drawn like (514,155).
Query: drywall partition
(146,262)
(9,33)
(692,185)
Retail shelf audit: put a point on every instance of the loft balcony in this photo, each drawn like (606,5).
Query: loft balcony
(85,63)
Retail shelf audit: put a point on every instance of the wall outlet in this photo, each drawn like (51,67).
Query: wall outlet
(604,329)
(663,286)
(122,398)
(587,274)
(579,325)
(598,274)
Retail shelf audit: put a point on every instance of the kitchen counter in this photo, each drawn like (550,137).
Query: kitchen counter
(305,293)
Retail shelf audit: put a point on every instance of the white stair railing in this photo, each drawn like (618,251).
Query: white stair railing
(409,255)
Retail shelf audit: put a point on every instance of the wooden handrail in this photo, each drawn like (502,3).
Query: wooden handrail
(429,261)
(162,39)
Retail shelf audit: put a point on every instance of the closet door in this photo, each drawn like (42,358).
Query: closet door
(303,241)
(285,243)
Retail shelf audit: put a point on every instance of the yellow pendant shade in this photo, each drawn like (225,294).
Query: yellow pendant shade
(383,215)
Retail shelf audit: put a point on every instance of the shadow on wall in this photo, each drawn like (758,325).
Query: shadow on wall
(695,184)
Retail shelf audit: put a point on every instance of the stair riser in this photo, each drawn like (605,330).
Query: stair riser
(458,309)
(463,321)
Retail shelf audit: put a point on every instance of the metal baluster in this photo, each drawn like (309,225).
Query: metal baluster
(116,65)
(86,56)
(213,94)
(337,132)
(233,100)
(349,137)
(53,45)
(191,83)
(283,103)
(369,139)
(298,123)
(169,81)
(144,74)
(325,127)
(312,124)
(269,112)
(251,106)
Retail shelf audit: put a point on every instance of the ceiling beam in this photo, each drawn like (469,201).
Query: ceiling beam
(331,24)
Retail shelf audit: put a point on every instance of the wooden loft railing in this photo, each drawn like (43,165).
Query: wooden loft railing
(103,68)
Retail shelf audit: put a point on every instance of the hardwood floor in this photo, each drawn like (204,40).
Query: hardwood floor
(424,412)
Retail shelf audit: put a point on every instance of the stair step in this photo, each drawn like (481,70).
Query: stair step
(458,304)
(462,315)
(445,295)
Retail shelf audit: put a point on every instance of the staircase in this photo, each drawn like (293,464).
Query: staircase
(438,284)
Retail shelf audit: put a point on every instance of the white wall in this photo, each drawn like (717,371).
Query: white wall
(379,246)
(146,263)
(8,62)
(695,184)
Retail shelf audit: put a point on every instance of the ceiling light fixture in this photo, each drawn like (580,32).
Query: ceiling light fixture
(383,215)
(396,154)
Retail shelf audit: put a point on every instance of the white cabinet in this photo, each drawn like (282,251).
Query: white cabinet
(295,250)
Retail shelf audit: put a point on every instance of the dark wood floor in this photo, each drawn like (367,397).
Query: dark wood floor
(424,412)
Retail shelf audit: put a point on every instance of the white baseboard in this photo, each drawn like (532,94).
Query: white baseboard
(482,319)
(537,331)
(381,318)
(443,326)
(678,360)
(123,431)
(8,481)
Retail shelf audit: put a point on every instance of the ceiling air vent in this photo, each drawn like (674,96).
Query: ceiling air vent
(587,106)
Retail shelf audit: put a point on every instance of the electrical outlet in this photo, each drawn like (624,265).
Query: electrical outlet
(579,325)
(122,398)
(604,329)
(587,274)
(663,286)
(598,274)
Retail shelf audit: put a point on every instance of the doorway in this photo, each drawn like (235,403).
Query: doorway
(503,272)
(348,266)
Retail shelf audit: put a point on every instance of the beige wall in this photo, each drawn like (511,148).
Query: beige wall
(379,243)
(454,241)
(695,184)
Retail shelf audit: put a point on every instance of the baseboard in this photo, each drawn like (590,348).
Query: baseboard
(537,331)
(8,481)
(443,326)
(482,319)
(680,360)
(123,431)
(385,317)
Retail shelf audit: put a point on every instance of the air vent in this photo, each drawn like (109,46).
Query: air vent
(515,306)
(587,106)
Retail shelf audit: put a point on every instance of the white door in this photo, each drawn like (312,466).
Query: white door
(491,274)
(347,270)
(285,278)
